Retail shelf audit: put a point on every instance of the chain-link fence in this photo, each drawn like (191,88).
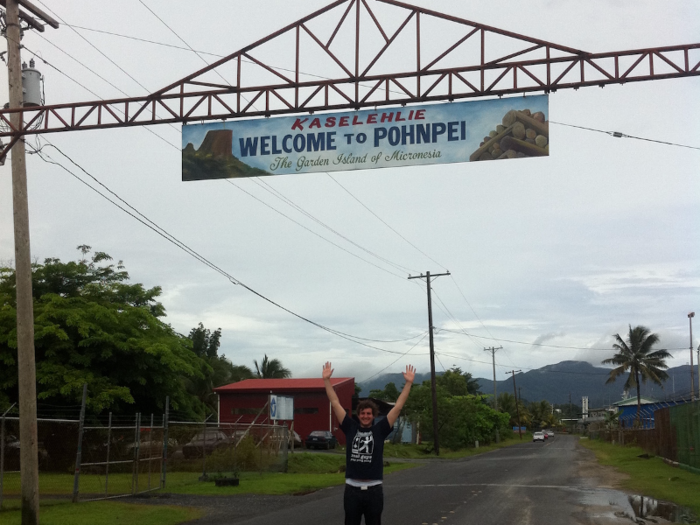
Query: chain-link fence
(208,451)
(107,457)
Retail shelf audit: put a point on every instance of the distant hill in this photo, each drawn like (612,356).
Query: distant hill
(555,383)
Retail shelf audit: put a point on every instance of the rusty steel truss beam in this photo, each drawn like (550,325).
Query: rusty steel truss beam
(529,65)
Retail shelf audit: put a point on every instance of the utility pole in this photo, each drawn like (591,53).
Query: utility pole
(517,406)
(433,391)
(26,365)
(495,398)
(692,379)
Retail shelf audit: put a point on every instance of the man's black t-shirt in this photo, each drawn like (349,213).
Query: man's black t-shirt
(365,448)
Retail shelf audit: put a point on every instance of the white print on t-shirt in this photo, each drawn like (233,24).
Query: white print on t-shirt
(362,447)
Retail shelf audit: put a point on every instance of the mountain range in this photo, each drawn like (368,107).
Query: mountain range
(563,383)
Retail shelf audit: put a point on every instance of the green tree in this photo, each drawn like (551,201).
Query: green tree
(390,393)
(271,369)
(204,342)
(541,414)
(462,419)
(637,356)
(93,326)
(507,404)
(458,383)
(216,370)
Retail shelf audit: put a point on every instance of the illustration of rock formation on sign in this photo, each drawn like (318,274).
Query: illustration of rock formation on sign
(215,159)
(521,134)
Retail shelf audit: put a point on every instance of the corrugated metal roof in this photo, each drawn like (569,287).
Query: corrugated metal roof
(265,385)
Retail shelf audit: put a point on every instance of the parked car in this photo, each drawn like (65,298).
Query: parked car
(208,441)
(549,433)
(321,439)
(538,436)
(12,453)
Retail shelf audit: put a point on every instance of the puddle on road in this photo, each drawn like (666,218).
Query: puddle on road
(637,508)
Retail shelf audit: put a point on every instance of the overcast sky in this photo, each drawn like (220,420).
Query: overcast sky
(549,257)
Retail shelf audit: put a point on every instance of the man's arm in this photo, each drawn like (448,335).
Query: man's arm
(409,375)
(338,409)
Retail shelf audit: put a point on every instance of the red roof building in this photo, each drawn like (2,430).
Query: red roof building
(242,402)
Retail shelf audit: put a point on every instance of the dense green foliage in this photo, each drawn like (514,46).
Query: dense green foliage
(216,370)
(390,393)
(93,326)
(463,417)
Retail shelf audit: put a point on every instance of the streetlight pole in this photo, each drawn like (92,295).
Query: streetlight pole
(692,378)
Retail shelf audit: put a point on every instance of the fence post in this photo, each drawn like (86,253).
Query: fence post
(78,456)
(150,452)
(204,476)
(137,442)
(109,442)
(2,454)
(164,462)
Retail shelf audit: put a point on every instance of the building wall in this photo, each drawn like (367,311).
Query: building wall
(312,410)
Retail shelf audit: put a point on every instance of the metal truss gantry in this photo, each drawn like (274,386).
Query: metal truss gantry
(376,62)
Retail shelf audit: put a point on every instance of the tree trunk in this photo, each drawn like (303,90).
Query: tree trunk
(639,399)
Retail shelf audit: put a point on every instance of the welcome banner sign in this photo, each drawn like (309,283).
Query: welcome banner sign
(497,129)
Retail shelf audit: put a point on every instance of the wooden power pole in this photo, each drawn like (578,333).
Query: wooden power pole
(26,365)
(517,404)
(29,451)
(433,391)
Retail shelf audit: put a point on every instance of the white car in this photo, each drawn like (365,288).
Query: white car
(538,436)
(550,433)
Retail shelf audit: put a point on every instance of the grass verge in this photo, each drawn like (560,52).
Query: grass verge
(649,477)
(101,513)
(308,473)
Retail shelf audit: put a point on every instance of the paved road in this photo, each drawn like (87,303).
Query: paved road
(529,483)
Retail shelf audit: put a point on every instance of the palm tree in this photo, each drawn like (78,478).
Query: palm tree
(271,369)
(636,355)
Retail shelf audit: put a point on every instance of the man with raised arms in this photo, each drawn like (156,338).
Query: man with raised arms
(364,462)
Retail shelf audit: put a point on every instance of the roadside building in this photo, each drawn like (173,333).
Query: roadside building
(247,402)
(628,410)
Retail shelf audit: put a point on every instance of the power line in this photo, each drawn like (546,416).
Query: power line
(183,41)
(383,221)
(313,232)
(470,306)
(291,203)
(397,359)
(98,50)
(172,239)
(91,92)
(617,134)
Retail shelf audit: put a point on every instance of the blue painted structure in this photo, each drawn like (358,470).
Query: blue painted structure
(627,409)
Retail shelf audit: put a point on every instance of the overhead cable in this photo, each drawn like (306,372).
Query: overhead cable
(172,239)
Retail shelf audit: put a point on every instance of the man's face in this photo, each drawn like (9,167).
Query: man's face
(366,416)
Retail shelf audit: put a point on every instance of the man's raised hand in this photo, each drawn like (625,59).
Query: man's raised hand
(410,374)
(327,370)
